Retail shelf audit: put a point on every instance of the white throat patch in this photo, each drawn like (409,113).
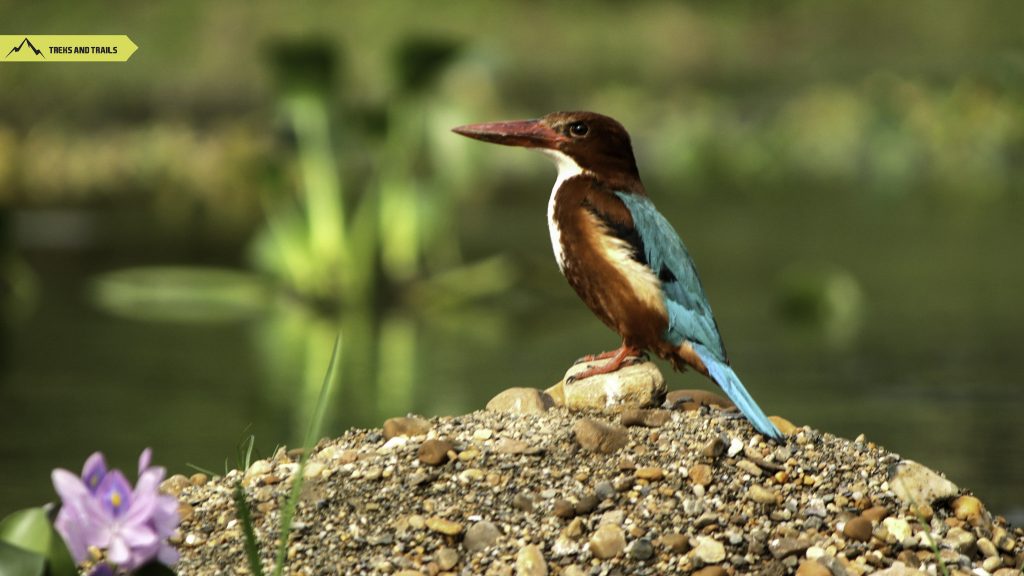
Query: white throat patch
(567,168)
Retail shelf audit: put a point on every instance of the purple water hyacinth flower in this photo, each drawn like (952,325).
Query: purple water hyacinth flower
(102,510)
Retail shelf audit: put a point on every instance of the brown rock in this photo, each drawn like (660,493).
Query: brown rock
(970,510)
(875,514)
(643,417)
(563,508)
(557,394)
(700,474)
(858,528)
(651,474)
(444,526)
(687,400)
(406,426)
(711,571)
(714,448)
(600,437)
(676,543)
(434,452)
(762,495)
(812,568)
(784,426)
(175,484)
(632,386)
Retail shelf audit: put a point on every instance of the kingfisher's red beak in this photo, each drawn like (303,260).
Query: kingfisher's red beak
(525,133)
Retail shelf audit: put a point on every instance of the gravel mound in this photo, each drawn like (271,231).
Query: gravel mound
(560,492)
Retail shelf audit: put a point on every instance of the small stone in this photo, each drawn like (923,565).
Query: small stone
(607,542)
(600,437)
(750,468)
(642,417)
(875,513)
(992,564)
(714,448)
(444,526)
(650,474)
(447,558)
(641,549)
(709,550)
(480,536)
(632,386)
(711,571)
(812,568)
(563,508)
(899,569)
(530,562)
(313,470)
(762,495)
(511,446)
(175,484)
(523,501)
(676,543)
(406,426)
(605,490)
(520,401)
(199,479)
(434,452)
(587,503)
(858,528)
(784,426)
(783,547)
(483,434)
(987,547)
(573,570)
(700,474)
(256,471)
(970,510)
(898,528)
(915,484)
(735,447)
(689,400)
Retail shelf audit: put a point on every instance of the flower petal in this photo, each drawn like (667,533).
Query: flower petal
(144,460)
(94,470)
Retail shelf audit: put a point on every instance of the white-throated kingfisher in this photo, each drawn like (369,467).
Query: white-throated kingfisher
(619,253)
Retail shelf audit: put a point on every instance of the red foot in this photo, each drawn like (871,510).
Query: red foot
(617,356)
(601,356)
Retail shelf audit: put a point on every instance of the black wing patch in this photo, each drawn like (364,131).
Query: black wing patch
(631,236)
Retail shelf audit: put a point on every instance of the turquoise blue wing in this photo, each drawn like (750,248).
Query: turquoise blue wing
(689,314)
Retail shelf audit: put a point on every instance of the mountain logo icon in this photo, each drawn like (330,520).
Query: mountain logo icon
(22,45)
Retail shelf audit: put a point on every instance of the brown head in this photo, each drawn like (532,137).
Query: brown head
(594,142)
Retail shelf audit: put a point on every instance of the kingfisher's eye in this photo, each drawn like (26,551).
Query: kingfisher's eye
(579,129)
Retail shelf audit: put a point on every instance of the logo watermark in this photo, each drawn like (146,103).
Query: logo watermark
(66,48)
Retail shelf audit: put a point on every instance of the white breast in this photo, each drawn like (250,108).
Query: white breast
(567,168)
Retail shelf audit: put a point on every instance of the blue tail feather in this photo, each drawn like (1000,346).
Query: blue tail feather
(730,383)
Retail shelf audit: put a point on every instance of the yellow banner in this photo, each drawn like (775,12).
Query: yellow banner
(66,48)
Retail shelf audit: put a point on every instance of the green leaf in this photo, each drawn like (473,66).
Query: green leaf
(15,561)
(28,529)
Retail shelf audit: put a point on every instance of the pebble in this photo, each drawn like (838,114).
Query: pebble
(530,562)
(812,568)
(406,426)
(520,401)
(642,417)
(175,484)
(875,513)
(915,484)
(632,386)
(714,448)
(676,543)
(858,528)
(480,536)
(444,526)
(608,542)
(969,509)
(783,547)
(434,452)
(735,447)
(709,550)
(600,437)
(750,468)
(898,528)
(711,571)
(700,474)
(762,495)
(447,558)
(650,473)
(641,549)
(689,400)
(563,508)
(785,426)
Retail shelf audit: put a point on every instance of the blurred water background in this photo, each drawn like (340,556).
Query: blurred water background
(182,236)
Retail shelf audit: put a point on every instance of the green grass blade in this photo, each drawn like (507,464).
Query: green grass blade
(252,548)
(312,433)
